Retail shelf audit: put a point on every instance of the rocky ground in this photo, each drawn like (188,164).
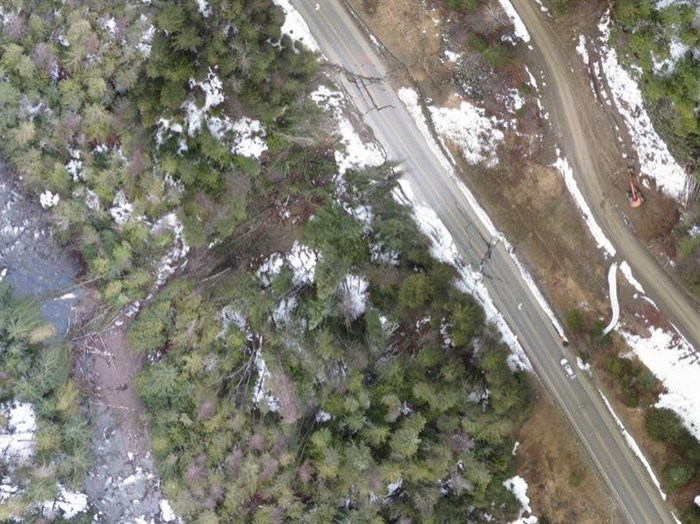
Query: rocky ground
(122,486)
(29,257)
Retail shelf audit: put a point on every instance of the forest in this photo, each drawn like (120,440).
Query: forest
(350,380)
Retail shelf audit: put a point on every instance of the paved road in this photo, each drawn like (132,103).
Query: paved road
(575,115)
(362,74)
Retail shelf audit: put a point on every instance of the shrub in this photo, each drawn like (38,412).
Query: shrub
(677,475)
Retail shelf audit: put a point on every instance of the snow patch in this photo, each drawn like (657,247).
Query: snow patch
(357,154)
(563,166)
(675,363)
(655,159)
(302,261)
(452,56)
(17,435)
(633,445)
(676,52)
(166,511)
(443,248)
(269,269)
(261,393)
(322,416)
(296,27)
(583,366)
(614,303)
(180,248)
(518,25)
(68,503)
(48,199)
(121,208)
(282,314)
(204,8)
(410,99)
(582,50)
(144,45)
(75,165)
(518,487)
(467,127)
(249,139)
(353,292)
(627,271)
(212,87)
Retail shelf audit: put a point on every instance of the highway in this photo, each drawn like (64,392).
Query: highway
(578,117)
(362,73)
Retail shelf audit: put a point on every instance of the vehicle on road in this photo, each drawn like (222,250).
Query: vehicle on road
(567,367)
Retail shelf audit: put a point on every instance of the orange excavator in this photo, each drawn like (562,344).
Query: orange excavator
(634,197)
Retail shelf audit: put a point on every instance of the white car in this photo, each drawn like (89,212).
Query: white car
(567,367)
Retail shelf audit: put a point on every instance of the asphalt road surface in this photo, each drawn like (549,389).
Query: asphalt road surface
(363,75)
(575,112)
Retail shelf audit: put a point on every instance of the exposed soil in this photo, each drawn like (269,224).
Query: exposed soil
(122,485)
(563,486)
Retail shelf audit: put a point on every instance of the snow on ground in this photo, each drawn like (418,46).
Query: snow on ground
(75,165)
(204,8)
(302,261)
(542,7)
(614,303)
(212,87)
(48,199)
(519,27)
(246,136)
(655,159)
(249,140)
(562,164)
(518,487)
(582,50)
(633,445)
(282,314)
(146,40)
(260,391)
(121,208)
(354,296)
(627,271)
(295,27)
(357,154)
(17,435)
(180,248)
(444,249)
(67,503)
(452,56)
(467,127)
(674,362)
(166,512)
(676,52)
(410,99)
(269,269)
(533,82)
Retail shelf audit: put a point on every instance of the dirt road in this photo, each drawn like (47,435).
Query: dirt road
(589,144)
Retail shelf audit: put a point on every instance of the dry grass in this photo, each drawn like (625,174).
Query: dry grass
(563,486)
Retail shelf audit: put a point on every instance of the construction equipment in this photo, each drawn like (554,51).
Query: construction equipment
(634,197)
